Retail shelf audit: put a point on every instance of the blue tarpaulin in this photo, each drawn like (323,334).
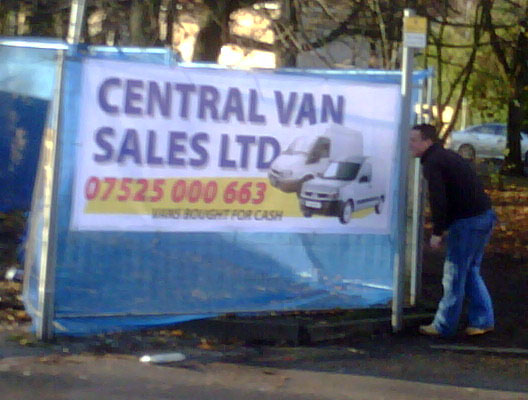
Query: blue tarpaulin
(27,79)
(21,125)
(121,280)
(26,86)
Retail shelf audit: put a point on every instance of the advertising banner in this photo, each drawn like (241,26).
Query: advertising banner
(175,149)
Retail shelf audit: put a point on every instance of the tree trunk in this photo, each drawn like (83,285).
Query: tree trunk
(137,36)
(144,25)
(513,162)
(41,21)
(515,71)
(215,33)
(8,14)
(209,42)
(172,15)
(285,52)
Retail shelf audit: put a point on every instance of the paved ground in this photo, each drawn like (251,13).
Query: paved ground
(364,367)
(114,377)
(381,367)
(405,366)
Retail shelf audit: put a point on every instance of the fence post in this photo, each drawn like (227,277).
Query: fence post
(51,164)
(418,217)
(399,263)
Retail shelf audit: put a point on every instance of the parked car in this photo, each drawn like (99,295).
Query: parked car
(484,141)
(347,186)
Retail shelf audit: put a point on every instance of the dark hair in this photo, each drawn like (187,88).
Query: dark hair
(427,131)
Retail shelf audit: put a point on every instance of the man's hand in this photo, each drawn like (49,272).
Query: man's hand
(435,242)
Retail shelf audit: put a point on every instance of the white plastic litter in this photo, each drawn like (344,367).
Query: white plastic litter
(162,358)
(14,274)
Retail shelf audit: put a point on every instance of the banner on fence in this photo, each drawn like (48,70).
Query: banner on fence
(206,150)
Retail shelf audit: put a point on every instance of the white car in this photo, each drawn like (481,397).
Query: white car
(484,141)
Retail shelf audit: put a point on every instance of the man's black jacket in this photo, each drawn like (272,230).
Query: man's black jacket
(455,191)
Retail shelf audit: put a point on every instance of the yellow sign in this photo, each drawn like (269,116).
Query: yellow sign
(415,25)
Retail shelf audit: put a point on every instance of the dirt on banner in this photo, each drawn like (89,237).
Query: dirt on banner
(498,360)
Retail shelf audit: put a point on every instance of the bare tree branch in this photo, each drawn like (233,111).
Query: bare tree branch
(496,41)
(435,20)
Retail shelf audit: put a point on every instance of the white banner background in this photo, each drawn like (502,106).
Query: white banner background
(144,156)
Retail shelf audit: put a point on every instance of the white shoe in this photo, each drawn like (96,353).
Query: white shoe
(472,331)
(429,330)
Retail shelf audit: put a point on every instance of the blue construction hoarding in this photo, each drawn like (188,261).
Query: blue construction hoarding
(118,267)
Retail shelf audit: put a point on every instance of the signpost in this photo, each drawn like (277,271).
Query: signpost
(414,36)
(414,32)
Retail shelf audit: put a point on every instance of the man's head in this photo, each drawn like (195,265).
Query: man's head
(421,138)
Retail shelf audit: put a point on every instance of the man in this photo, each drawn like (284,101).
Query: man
(460,207)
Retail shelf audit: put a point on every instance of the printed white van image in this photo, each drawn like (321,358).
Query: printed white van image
(308,156)
(347,186)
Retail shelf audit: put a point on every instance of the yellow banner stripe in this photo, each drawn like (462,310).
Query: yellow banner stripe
(139,196)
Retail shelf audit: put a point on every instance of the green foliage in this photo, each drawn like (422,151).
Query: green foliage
(487,95)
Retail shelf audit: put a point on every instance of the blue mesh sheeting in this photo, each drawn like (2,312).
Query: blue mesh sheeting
(21,124)
(27,75)
(124,280)
(156,278)
(27,78)
(361,75)
(132,54)
(26,86)
(27,71)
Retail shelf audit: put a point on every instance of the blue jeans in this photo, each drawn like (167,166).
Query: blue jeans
(465,247)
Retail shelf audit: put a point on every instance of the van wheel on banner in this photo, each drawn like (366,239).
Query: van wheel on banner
(345,212)
(379,207)
(306,212)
